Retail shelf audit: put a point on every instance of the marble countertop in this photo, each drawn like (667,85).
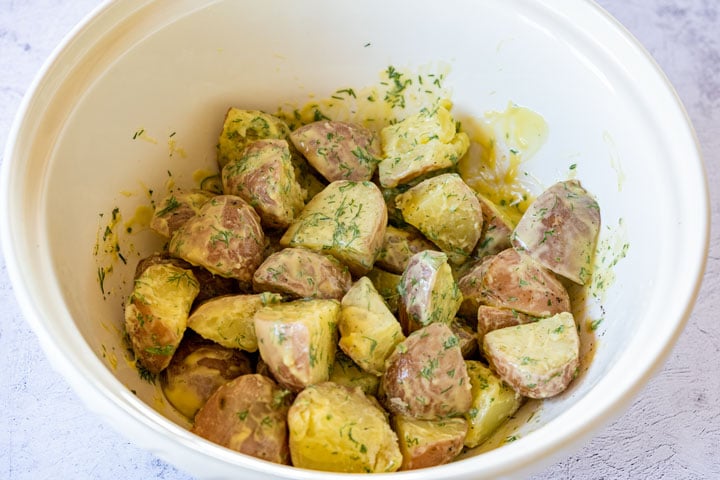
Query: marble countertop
(672,430)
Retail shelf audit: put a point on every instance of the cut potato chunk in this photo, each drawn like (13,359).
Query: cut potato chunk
(496,232)
(368,330)
(426,443)
(263,176)
(156,313)
(539,359)
(346,220)
(297,340)
(560,230)
(420,144)
(228,320)
(339,150)
(493,402)
(248,415)
(242,127)
(176,208)
(493,318)
(339,429)
(302,273)
(447,212)
(398,246)
(386,284)
(348,373)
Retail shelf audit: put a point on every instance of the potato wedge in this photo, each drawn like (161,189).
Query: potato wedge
(228,320)
(156,313)
(493,318)
(248,415)
(339,429)
(426,376)
(176,208)
(242,127)
(346,220)
(386,284)
(339,150)
(493,402)
(348,373)
(426,443)
(368,330)
(496,232)
(540,359)
(302,273)
(297,340)
(398,246)
(447,212)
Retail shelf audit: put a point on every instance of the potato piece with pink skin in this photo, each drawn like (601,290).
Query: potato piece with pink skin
(242,127)
(399,244)
(176,209)
(426,443)
(496,232)
(493,318)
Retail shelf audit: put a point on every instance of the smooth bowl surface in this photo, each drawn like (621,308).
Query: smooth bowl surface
(140,88)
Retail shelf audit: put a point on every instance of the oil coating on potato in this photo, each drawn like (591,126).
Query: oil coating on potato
(426,376)
(339,429)
(197,369)
(493,318)
(447,212)
(346,220)
(493,402)
(496,231)
(297,340)
(228,320)
(398,246)
(302,273)
(263,176)
(348,373)
(426,443)
(560,230)
(428,292)
(368,330)
(156,313)
(539,359)
(338,150)
(248,415)
(242,127)
(225,237)
(176,208)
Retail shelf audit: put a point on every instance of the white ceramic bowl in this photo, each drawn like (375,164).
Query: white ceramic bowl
(175,66)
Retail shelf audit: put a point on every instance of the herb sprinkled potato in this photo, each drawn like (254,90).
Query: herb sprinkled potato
(242,127)
(386,284)
(426,443)
(348,373)
(339,429)
(398,246)
(493,318)
(176,208)
(496,231)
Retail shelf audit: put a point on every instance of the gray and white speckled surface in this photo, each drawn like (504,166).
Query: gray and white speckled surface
(672,430)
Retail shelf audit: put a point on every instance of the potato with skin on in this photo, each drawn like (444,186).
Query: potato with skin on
(176,208)
(386,284)
(493,318)
(156,313)
(426,443)
(298,339)
(538,360)
(428,292)
(225,237)
(368,330)
(248,415)
(560,229)
(496,232)
(467,338)
(348,373)
(242,127)
(426,377)
(346,220)
(447,212)
(339,429)
(263,176)
(228,320)
(339,150)
(399,244)
(197,369)
(420,144)
(302,273)
(493,402)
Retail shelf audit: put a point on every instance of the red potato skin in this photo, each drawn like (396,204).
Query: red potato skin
(492,318)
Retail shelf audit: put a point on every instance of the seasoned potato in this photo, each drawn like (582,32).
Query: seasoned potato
(263,176)
(515,281)
(156,313)
(368,330)
(398,246)
(426,443)
(228,320)
(493,318)
(471,286)
(386,284)
(560,230)
(346,220)
(426,376)
(302,273)
(176,208)
(496,231)
(348,373)
(339,429)
(428,292)
(447,212)
(420,144)
(297,340)
(197,369)
(467,338)
(306,176)
(338,150)
(539,359)
(493,403)
(242,127)
(225,237)
(248,415)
